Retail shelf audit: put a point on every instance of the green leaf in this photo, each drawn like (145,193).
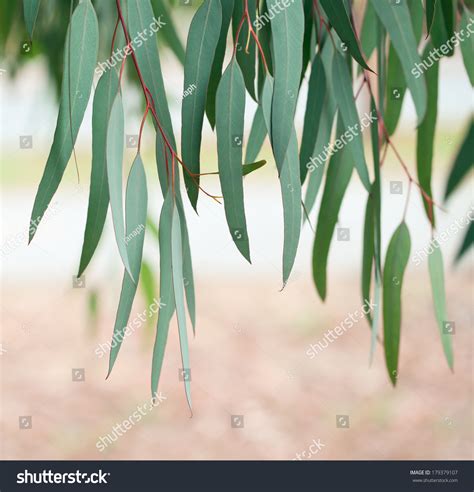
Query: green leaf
(313,114)
(136,202)
(442,28)
(287,41)
(368,250)
(425,138)
(178,288)
(468,241)
(467,46)
(368,35)
(396,19)
(430,12)
(435,264)
(339,19)
(337,179)
(140,16)
(343,88)
(395,263)
(463,163)
(105,93)
(114,158)
(250,168)
(227,7)
(30,11)
(168,32)
(258,132)
(202,41)
(308,47)
(230,104)
(167,302)
(81,49)
(290,184)
(246,58)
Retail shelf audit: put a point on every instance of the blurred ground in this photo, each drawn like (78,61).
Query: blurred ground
(249,359)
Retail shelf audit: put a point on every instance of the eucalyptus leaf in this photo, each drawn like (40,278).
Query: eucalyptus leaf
(30,12)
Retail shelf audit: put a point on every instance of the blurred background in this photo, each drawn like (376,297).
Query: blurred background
(256,393)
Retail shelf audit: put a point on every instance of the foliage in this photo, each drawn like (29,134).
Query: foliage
(276,44)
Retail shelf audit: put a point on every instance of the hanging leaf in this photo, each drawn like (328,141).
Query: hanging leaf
(105,93)
(258,132)
(246,52)
(290,184)
(227,7)
(30,12)
(395,263)
(467,46)
(168,32)
(202,40)
(114,158)
(337,180)
(396,19)
(350,119)
(81,49)
(425,138)
(136,201)
(442,27)
(368,35)
(339,19)
(436,267)
(314,110)
(468,241)
(308,47)
(430,11)
(250,168)
(167,301)
(140,16)
(287,42)
(368,250)
(230,104)
(463,163)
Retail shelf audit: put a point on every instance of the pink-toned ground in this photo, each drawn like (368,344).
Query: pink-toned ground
(249,359)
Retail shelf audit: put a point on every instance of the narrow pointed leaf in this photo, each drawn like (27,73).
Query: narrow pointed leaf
(140,17)
(202,41)
(436,267)
(339,19)
(167,302)
(178,288)
(105,93)
(426,136)
(287,41)
(246,55)
(368,35)
(430,12)
(442,27)
(468,241)
(314,110)
(227,7)
(258,132)
(396,19)
(30,12)
(467,46)
(136,209)
(114,157)
(338,176)
(350,119)
(395,263)
(230,104)
(80,57)
(290,183)
(250,168)
(463,163)
(368,250)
